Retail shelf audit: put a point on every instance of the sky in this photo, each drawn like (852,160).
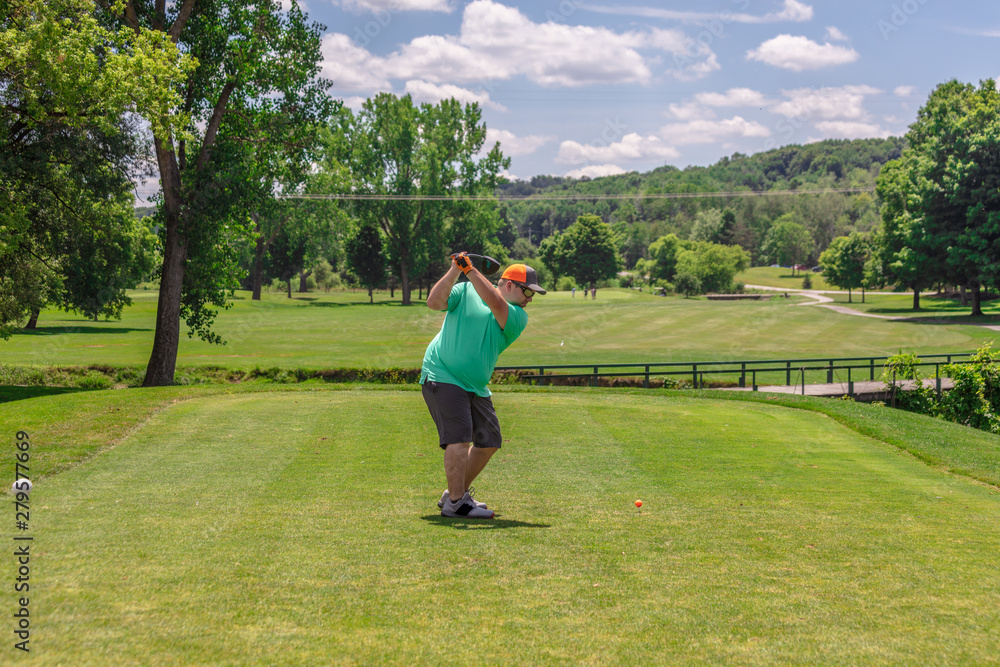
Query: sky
(596,87)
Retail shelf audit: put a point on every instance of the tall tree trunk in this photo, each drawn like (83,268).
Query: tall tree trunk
(166,338)
(916,298)
(849,295)
(963,296)
(862,294)
(404,275)
(258,267)
(289,281)
(977,309)
(302,280)
(33,320)
(371,299)
(163,359)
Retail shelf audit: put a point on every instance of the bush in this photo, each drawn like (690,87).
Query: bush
(687,284)
(94,380)
(565,284)
(920,399)
(807,282)
(975,398)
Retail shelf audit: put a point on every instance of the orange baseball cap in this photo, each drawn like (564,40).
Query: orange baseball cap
(524,275)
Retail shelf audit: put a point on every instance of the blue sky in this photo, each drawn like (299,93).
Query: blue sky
(597,87)
(593,87)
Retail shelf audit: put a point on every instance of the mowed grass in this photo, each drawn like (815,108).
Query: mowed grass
(239,526)
(769,276)
(338,330)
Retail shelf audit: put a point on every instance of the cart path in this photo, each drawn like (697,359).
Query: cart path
(820,299)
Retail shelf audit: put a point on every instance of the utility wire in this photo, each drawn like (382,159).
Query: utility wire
(571,197)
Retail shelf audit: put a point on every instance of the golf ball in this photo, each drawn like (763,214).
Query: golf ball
(21,486)
(638,503)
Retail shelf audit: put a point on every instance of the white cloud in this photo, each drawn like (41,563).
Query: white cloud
(424,91)
(496,43)
(710,131)
(596,171)
(349,66)
(791,10)
(801,53)
(835,35)
(904,91)
(701,107)
(394,6)
(441,58)
(552,53)
(513,145)
(734,97)
(843,103)
(838,129)
(692,59)
(690,110)
(631,147)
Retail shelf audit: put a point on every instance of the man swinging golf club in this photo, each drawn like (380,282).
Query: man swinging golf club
(482,321)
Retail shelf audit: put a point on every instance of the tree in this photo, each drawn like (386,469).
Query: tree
(586,251)
(688,284)
(248,111)
(714,265)
(788,243)
(414,165)
(365,258)
(663,253)
(943,195)
(906,254)
(844,262)
(69,150)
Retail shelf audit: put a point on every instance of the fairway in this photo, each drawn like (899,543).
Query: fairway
(300,527)
(341,330)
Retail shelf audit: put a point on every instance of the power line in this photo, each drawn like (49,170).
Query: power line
(573,197)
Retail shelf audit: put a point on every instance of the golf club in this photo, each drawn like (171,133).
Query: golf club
(486,265)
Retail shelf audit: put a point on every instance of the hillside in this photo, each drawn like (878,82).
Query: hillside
(821,165)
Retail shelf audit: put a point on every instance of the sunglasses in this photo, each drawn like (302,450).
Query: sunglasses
(528,293)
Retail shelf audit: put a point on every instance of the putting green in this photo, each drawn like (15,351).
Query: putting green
(301,527)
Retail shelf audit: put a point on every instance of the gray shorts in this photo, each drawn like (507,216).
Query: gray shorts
(462,416)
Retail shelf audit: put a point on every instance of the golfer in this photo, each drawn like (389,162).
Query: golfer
(482,321)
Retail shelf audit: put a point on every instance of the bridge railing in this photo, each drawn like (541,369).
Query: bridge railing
(772,371)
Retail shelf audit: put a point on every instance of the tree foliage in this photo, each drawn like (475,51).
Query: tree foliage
(365,257)
(844,262)
(69,151)
(398,154)
(788,243)
(586,251)
(942,197)
(714,265)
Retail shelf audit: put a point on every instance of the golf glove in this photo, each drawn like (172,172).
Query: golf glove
(462,261)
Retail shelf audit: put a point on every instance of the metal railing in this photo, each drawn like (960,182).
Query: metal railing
(856,368)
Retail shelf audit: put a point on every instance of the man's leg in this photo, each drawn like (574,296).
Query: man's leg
(456,464)
(478,458)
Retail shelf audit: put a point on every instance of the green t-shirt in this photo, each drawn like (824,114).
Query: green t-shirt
(466,349)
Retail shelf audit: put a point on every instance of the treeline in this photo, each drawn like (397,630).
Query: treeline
(640,220)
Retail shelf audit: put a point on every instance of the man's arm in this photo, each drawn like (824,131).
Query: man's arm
(437,298)
(489,293)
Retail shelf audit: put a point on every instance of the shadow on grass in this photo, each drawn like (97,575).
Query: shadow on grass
(479,524)
(391,304)
(10,393)
(75,329)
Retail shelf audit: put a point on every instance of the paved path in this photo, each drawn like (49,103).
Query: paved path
(820,299)
(837,388)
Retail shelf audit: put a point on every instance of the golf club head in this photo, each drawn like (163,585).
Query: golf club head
(486,265)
